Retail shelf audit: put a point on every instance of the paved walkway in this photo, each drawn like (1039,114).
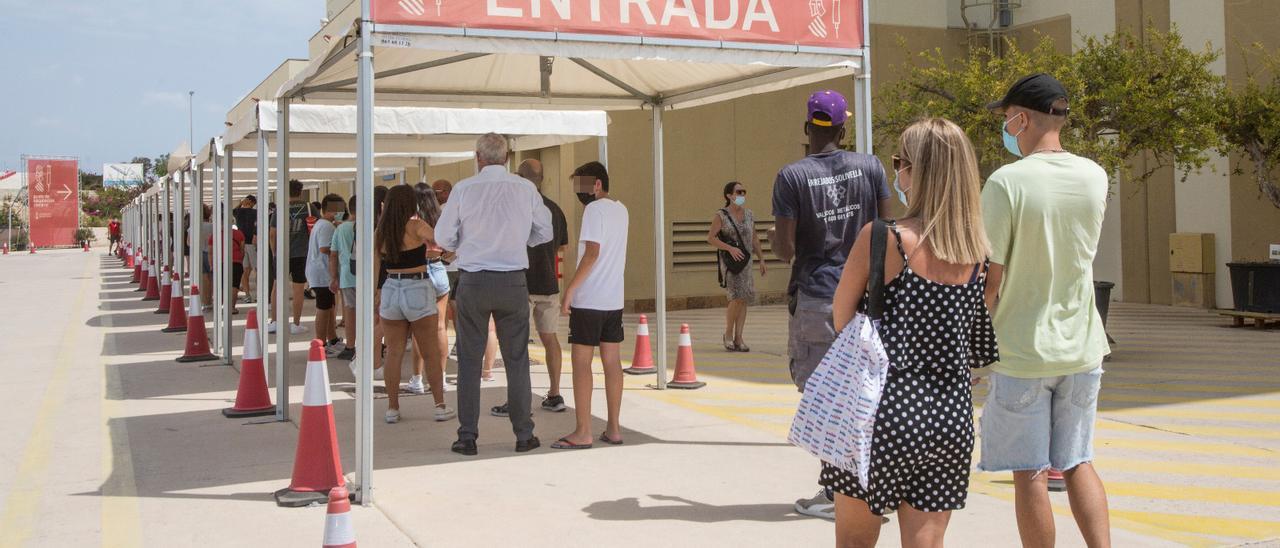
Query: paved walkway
(108,441)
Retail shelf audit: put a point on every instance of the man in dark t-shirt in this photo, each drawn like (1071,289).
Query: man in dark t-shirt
(299,239)
(544,288)
(246,218)
(819,204)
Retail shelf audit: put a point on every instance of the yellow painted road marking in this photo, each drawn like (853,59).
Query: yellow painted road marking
(1193,430)
(21,510)
(1180,467)
(1222,527)
(121,518)
(1196,493)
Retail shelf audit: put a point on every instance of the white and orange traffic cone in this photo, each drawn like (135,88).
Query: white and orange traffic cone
(317,466)
(686,375)
(6,248)
(1057,482)
(153,283)
(31,249)
(197,347)
(167,279)
(338,532)
(140,273)
(85,244)
(642,359)
(252,397)
(177,314)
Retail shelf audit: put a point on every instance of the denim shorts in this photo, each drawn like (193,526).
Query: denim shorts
(1034,424)
(407,299)
(810,333)
(439,278)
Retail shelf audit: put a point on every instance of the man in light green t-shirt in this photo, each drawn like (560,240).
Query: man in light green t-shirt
(1043,215)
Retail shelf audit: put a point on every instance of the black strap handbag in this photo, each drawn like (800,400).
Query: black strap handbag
(726,260)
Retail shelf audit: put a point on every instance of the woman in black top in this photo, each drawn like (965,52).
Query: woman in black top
(408,298)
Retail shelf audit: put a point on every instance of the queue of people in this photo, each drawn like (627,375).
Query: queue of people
(971,276)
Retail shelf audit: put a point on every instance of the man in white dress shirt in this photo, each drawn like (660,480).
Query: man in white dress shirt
(489,222)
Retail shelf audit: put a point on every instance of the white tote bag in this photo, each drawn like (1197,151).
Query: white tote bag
(836,417)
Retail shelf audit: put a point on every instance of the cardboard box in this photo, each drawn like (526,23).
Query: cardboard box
(1191,252)
(1193,290)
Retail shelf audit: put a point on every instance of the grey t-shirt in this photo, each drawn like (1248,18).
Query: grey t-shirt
(299,234)
(831,196)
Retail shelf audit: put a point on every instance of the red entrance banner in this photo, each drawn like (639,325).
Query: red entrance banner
(53,201)
(817,23)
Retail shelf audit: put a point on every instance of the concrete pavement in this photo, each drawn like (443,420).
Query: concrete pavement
(109,441)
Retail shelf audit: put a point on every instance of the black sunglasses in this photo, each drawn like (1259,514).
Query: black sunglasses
(740,192)
(899,162)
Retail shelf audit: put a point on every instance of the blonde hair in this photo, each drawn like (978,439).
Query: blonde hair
(945,190)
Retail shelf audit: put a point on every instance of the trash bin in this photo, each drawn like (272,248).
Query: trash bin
(1255,287)
(1102,298)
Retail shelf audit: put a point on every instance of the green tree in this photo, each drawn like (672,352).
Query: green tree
(90,181)
(1250,121)
(160,166)
(1128,96)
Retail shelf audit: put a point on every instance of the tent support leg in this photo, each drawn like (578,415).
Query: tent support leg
(364,264)
(284,290)
(659,250)
(263,273)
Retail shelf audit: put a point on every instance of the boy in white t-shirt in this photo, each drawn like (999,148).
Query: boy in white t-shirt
(319,272)
(593,302)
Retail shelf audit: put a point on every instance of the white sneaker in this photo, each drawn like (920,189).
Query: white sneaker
(415,385)
(819,506)
(392,416)
(296,329)
(271,326)
(377,374)
(334,349)
(444,413)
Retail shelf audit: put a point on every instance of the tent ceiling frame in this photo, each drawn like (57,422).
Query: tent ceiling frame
(650,99)
(398,71)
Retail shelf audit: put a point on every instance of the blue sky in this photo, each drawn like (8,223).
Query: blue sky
(107,80)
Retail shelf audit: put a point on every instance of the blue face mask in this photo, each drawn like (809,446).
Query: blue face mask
(739,200)
(902,195)
(1011,141)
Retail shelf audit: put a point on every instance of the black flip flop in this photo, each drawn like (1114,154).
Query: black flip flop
(605,438)
(564,443)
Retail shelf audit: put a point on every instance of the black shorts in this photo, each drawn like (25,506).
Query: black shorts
(237,273)
(113,237)
(591,327)
(298,269)
(324,298)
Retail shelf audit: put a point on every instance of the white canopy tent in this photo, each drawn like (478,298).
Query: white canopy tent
(323,138)
(567,54)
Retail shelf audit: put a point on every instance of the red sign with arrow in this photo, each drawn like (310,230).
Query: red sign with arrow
(53,200)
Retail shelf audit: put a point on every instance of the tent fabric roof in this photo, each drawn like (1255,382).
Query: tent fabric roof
(468,67)
(419,131)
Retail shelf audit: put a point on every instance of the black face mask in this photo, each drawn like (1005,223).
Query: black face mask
(586,197)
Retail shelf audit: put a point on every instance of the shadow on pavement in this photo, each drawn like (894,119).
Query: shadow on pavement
(629,509)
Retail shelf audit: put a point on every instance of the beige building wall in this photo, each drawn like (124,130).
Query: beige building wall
(1203,201)
(1255,222)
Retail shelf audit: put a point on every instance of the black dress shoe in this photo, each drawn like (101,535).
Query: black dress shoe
(464,447)
(528,445)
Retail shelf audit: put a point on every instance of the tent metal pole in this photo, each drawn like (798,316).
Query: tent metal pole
(197,237)
(603,144)
(228,304)
(659,250)
(284,290)
(263,272)
(364,263)
(179,235)
(866,143)
(216,297)
(166,226)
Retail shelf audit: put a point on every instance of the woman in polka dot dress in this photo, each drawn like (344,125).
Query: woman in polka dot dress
(935,328)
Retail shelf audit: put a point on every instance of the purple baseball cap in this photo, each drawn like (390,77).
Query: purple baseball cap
(830,104)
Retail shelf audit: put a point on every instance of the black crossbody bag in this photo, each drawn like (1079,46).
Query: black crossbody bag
(726,260)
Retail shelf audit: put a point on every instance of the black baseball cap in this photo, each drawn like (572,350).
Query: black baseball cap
(1036,92)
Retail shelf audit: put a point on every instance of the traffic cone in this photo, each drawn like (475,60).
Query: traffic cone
(686,377)
(139,276)
(1057,483)
(252,397)
(197,335)
(85,243)
(31,249)
(6,248)
(166,293)
(153,283)
(642,359)
(317,468)
(177,314)
(338,532)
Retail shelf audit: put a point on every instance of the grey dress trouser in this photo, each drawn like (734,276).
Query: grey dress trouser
(504,296)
